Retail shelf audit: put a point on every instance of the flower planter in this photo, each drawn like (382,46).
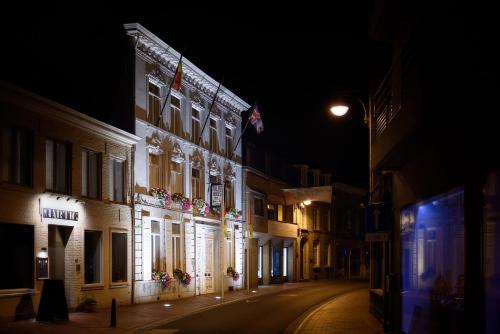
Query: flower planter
(229,282)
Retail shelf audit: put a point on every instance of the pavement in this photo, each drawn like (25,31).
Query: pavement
(144,318)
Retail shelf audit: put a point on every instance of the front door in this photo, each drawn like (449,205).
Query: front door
(208,272)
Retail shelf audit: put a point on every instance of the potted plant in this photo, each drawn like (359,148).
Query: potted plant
(89,304)
(232,276)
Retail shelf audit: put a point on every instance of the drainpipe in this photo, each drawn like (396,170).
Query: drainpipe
(132,191)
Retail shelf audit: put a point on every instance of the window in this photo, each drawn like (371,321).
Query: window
(91,174)
(316,254)
(432,261)
(176,246)
(280,212)
(154,171)
(288,214)
(93,253)
(195,125)
(118,257)
(195,183)
(259,269)
(258,206)
(271,211)
(229,142)
(175,109)
(214,144)
(285,261)
(17,156)
(229,250)
(229,194)
(176,185)
(117,180)
(329,254)
(57,166)
(157,260)
(154,104)
(316,219)
(16,247)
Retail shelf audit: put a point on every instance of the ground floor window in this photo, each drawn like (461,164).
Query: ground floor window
(259,269)
(432,251)
(176,246)
(118,257)
(16,247)
(285,262)
(93,252)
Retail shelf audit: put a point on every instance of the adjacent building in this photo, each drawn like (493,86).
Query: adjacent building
(66,204)
(186,157)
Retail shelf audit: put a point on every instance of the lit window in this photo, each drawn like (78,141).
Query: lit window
(154,171)
(176,246)
(316,255)
(259,269)
(214,143)
(176,184)
(196,183)
(195,125)
(229,142)
(175,109)
(157,263)
(154,103)
(285,261)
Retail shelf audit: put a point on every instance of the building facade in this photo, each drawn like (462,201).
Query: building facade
(186,157)
(66,210)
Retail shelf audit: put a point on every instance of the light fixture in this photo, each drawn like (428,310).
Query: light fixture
(43,253)
(307,202)
(253,291)
(217,297)
(339,110)
(167,305)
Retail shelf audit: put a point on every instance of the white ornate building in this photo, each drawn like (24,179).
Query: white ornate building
(173,235)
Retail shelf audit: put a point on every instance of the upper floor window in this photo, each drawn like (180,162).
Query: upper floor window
(316,219)
(271,211)
(258,206)
(195,125)
(229,195)
(229,142)
(176,185)
(117,180)
(175,110)
(316,255)
(17,156)
(57,166)
(91,174)
(154,103)
(154,171)
(288,213)
(196,183)
(280,212)
(214,143)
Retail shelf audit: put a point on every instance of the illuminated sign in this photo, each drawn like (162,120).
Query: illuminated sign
(216,195)
(60,214)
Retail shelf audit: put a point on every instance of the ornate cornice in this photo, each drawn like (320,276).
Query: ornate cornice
(149,44)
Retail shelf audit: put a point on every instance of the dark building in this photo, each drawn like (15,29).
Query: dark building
(435,196)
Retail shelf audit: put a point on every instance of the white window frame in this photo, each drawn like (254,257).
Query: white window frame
(176,116)
(214,141)
(195,124)
(229,141)
(153,115)
(176,240)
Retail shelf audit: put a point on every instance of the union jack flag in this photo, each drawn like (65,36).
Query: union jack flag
(256,120)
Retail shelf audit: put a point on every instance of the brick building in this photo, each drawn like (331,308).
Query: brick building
(65,195)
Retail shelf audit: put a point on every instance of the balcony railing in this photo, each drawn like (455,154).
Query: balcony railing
(385,105)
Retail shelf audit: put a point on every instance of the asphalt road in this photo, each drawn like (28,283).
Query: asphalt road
(271,313)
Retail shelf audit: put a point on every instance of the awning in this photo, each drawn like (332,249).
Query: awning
(313,194)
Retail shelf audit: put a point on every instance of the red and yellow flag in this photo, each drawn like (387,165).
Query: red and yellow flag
(178,77)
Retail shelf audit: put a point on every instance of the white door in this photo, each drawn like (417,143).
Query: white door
(208,272)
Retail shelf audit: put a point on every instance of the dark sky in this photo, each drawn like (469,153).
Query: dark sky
(291,62)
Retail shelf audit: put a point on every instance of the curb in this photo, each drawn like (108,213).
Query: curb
(296,325)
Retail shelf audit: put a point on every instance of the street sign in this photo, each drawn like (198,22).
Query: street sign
(377,218)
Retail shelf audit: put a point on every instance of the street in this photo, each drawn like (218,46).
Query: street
(271,313)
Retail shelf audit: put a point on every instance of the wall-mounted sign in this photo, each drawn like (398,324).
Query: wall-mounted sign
(60,214)
(216,195)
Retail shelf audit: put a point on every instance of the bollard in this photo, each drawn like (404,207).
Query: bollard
(113,313)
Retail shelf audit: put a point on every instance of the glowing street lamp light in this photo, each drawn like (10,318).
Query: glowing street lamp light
(339,110)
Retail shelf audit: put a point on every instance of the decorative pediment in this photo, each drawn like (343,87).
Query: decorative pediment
(153,143)
(196,99)
(197,159)
(229,120)
(177,154)
(213,167)
(216,113)
(229,173)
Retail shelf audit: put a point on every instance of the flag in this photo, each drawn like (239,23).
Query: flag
(256,120)
(178,76)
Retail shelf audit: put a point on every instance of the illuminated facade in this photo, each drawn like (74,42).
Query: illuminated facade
(66,197)
(183,151)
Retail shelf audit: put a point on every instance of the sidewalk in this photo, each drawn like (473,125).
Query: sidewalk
(348,313)
(139,317)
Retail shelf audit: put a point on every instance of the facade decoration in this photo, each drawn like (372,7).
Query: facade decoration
(177,154)
(197,160)
(213,167)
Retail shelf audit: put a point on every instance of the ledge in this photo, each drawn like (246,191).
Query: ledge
(7,293)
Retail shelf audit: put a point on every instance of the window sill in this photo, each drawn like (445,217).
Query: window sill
(7,293)
(88,287)
(118,285)
(17,187)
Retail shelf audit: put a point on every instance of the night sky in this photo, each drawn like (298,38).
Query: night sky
(291,63)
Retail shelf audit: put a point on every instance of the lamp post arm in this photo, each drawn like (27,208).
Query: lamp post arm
(364,109)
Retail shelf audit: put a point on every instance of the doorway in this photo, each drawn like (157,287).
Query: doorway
(303,243)
(208,263)
(58,239)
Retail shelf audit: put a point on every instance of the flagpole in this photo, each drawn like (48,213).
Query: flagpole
(241,135)
(169,90)
(208,116)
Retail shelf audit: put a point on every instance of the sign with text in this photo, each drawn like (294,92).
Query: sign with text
(216,195)
(60,214)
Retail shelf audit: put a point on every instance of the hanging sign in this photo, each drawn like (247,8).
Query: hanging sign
(216,195)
